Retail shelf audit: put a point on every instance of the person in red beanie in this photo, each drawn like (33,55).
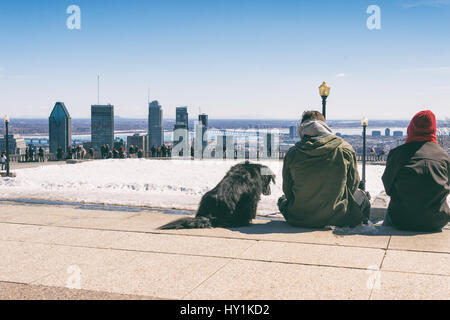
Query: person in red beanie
(417,179)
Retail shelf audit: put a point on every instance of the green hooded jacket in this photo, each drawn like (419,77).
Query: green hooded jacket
(320,176)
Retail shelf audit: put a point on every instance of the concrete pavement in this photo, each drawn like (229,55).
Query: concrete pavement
(68,252)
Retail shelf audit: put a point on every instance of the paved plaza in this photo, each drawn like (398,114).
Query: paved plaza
(81,252)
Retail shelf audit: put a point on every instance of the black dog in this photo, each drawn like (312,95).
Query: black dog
(233,202)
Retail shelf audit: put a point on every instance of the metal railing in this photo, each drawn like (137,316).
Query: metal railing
(148,155)
(372,158)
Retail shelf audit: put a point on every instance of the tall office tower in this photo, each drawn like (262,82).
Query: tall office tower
(203,121)
(102,126)
(59,125)
(387,132)
(182,118)
(181,132)
(155,125)
(293,132)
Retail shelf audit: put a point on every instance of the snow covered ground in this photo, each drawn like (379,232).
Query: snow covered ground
(175,184)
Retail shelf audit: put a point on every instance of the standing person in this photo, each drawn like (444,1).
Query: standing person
(122,152)
(417,179)
(108,152)
(372,153)
(59,153)
(32,154)
(91,153)
(164,150)
(153,150)
(41,155)
(131,151)
(169,151)
(320,179)
(27,154)
(3,160)
(83,152)
(140,153)
(158,152)
(103,151)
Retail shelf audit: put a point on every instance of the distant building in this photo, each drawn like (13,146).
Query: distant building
(387,132)
(293,132)
(16,144)
(181,123)
(60,132)
(136,140)
(376,133)
(338,134)
(203,122)
(398,133)
(102,126)
(182,118)
(155,125)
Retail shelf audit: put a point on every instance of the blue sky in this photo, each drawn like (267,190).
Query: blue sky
(231,59)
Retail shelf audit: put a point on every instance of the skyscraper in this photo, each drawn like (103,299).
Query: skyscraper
(293,132)
(203,121)
(102,126)
(181,133)
(155,125)
(182,118)
(201,138)
(60,133)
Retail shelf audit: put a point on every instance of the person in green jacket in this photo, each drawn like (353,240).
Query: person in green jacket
(321,180)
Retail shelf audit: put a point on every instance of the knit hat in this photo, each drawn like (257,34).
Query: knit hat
(422,128)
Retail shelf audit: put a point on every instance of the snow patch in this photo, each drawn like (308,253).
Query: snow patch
(173,184)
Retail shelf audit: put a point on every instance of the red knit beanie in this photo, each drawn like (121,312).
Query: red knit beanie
(422,127)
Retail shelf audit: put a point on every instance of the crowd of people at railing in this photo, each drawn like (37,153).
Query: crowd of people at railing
(33,154)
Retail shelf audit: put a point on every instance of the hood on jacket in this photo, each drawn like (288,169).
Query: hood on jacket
(314,128)
(318,146)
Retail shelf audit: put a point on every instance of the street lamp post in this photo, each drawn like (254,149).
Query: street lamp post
(6,119)
(324,91)
(364,123)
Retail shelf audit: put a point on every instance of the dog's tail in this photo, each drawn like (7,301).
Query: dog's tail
(188,223)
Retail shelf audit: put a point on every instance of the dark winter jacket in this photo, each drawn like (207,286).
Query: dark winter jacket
(320,177)
(417,179)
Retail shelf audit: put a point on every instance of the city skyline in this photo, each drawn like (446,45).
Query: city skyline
(232,60)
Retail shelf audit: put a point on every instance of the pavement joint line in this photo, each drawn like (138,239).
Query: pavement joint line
(196,235)
(190,255)
(226,258)
(202,282)
(34,282)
